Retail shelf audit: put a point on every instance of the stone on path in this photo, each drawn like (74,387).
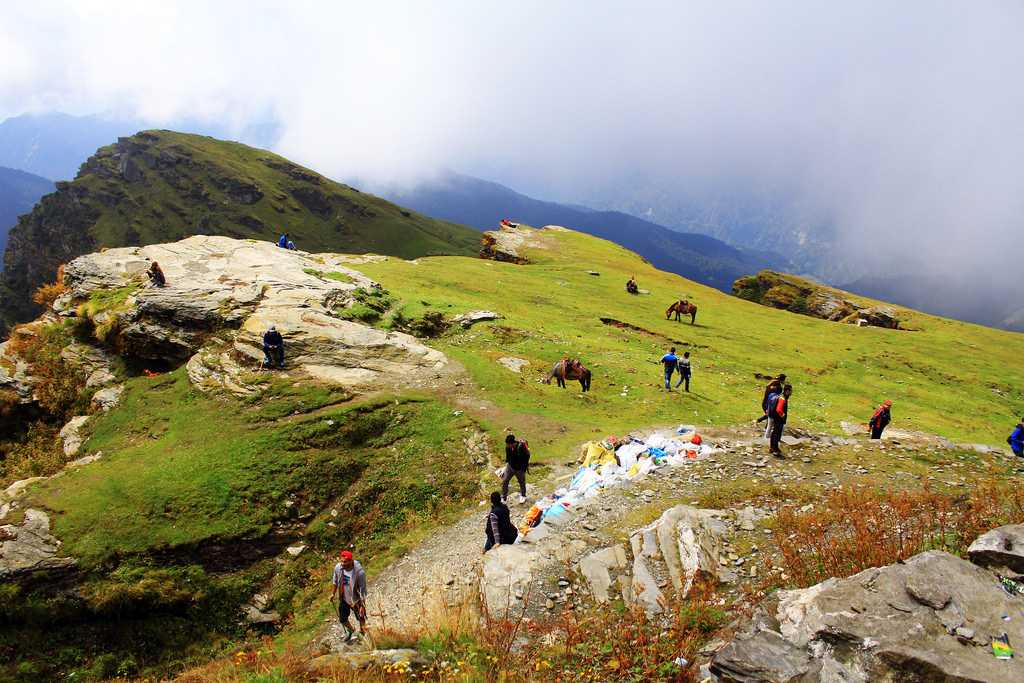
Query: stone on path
(1002,547)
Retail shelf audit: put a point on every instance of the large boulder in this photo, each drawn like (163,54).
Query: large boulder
(221,296)
(71,435)
(931,618)
(508,579)
(684,544)
(1001,548)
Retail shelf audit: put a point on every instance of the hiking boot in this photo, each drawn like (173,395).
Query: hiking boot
(522,499)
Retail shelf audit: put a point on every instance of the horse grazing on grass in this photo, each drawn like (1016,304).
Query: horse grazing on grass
(682,307)
(570,369)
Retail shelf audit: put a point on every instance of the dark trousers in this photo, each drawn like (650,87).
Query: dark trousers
(684,377)
(1017,450)
(273,355)
(507,477)
(345,609)
(876,432)
(775,434)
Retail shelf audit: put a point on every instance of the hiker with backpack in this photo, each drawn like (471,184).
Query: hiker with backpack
(778,413)
(774,386)
(273,348)
(517,463)
(1016,439)
(684,369)
(349,586)
(499,528)
(670,361)
(880,420)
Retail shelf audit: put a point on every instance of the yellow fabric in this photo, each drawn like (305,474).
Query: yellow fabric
(595,454)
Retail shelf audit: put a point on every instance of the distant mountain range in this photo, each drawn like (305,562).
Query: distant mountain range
(19,191)
(482,204)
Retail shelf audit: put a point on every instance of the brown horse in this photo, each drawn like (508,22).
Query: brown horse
(564,370)
(682,307)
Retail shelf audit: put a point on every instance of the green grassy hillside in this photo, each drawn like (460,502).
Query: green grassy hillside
(188,512)
(956,379)
(160,186)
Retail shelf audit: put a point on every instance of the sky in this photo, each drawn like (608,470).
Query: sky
(898,124)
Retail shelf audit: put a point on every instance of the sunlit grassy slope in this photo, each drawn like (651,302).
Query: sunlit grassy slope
(956,379)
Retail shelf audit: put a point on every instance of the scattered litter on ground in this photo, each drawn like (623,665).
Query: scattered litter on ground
(1001,647)
(613,461)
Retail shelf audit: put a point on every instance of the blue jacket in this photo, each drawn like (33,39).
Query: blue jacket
(1017,438)
(283,242)
(670,361)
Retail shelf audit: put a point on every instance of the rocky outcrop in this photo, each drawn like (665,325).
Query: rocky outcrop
(684,544)
(795,294)
(931,618)
(71,435)
(27,548)
(222,295)
(473,317)
(1001,549)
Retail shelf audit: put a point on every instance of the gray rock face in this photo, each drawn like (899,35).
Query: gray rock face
(108,398)
(1001,548)
(28,547)
(71,435)
(929,619)
(684,543)
(472,317)
(221,296)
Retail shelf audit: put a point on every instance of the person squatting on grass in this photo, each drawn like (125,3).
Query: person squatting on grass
(778,413)
(1016,439)
(349,586)
(517,463)
(684,371)
(499,528)
(671,361)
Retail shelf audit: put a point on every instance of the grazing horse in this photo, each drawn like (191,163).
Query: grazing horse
(564,370)
(682,307)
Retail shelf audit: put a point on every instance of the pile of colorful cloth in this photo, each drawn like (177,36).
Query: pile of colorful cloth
(615,460)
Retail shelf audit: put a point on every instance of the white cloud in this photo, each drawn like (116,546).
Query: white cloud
(900,123)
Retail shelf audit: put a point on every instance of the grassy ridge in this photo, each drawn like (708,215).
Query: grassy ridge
(161,186)
(956,379)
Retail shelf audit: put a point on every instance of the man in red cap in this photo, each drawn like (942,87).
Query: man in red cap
(880,420)
(349,585)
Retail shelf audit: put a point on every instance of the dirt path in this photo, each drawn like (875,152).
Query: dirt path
(443,571)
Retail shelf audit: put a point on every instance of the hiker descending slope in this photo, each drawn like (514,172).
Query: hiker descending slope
(499,528)
(670,361)
(778,413)
(1016,439)
(349,586)
(517,462)
(880,420)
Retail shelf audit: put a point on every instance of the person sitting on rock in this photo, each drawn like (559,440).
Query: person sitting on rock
(1016,439)
(631,286)
(880,420)
(282,241)
(291,245)
(349,586)
(156,275)
(273,348)
(499,528)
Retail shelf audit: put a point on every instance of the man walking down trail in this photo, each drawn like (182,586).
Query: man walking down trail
(880,420)
(517,462)
(499,528)
(671,361)
(684,371)
(1016,439)
(778,413)
(273,348)
(349,586)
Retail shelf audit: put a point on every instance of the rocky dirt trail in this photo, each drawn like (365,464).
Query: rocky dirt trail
(444,572)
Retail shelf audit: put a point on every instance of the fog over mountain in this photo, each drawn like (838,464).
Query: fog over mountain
(864,140)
